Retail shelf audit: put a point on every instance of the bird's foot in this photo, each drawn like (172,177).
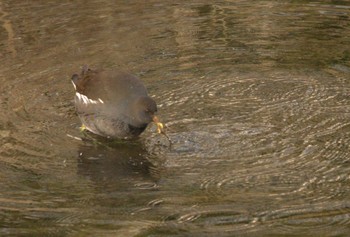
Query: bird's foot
(82,128)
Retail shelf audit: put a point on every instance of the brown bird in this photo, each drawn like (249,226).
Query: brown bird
(113,104)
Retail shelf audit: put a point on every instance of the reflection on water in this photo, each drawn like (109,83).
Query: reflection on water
(255,97)
(107,164)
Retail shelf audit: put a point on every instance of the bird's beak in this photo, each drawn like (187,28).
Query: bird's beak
(160,126)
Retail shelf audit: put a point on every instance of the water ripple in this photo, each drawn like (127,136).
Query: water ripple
(272,134)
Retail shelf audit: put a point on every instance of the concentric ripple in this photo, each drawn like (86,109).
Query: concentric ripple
(276,140)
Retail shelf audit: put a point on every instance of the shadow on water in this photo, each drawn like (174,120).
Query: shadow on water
(108,162)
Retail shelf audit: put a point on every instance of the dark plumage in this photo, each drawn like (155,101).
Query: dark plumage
(113,104)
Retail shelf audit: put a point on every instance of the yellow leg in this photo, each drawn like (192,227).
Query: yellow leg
(82,128)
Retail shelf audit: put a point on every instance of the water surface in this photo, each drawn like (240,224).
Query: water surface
(255,96)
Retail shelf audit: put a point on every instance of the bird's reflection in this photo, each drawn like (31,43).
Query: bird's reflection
(118,163)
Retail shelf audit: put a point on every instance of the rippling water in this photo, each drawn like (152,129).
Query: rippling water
(255,96)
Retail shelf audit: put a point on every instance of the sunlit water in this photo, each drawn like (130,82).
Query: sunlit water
(255,95)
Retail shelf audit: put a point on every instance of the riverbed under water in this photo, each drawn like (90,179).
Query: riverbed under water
(255,96)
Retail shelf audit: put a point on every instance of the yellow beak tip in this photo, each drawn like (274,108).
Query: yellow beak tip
(160,127)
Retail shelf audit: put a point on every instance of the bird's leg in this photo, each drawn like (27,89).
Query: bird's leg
(82,128)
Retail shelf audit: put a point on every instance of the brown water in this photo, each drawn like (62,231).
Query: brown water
(255,94)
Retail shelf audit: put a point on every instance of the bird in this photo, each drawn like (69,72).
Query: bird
(113,104)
